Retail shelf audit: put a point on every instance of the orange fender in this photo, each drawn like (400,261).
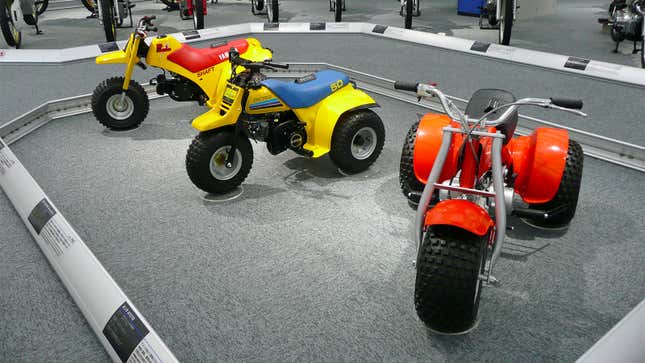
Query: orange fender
(427,144)
(539,160)
(462,214)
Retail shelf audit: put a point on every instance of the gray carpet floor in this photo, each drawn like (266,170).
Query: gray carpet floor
(307,265)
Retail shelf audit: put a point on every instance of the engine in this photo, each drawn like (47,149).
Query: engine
(279,131)
(626,21)
(179,89)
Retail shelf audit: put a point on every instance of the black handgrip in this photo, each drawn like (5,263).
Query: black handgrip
(567,103)
(152,17)
(151,28)
(276,65)
(406,86)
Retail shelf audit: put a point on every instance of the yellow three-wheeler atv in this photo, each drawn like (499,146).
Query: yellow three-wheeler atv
(197,74)
(314,115)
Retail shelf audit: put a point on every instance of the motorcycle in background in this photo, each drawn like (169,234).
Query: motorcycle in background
(409,8)
(500,15)
(270,8)
(626,23)
(15,14)
(190,9)
(112,14)
(337,7)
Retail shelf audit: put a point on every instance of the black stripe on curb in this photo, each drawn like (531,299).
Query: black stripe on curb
(576,63)
(480,47)
(380,29)
(271,26)
(108,47)
(318,26)
(191,34)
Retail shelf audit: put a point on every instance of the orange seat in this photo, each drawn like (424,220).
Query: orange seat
(197,59)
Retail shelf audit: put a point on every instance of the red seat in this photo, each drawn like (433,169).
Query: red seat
(197,59)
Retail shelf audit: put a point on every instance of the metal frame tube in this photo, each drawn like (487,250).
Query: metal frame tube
(435,173)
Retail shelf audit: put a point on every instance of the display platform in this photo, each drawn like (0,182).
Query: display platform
(279,273)
(310,264)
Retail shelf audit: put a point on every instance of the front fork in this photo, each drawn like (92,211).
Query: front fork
(498,188)
(129,68)
(238,130)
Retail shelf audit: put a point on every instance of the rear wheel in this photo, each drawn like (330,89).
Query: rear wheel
(273,11)
(409,9)
(410,185)
(448,287)
(257,6)
(41,6)
(566,198)
(90,5)
(206,161)
(357,140)
(9,30)
(338,11)
(109,25)
(198,14)
(506,22)
(116,112)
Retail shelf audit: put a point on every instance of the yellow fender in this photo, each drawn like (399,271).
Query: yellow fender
(118,56)
(213,119)
(321,118)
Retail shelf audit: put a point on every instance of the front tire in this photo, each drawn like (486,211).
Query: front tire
(114,114)
(257,6)
(506,22)
(567,195)
(409,9)
(9,30)
(198,14)
(338,14)
(273,11)
(109,25)
(448,287)
(357,140)
(206,157)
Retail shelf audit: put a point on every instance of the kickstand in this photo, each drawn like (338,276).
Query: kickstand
(38,31)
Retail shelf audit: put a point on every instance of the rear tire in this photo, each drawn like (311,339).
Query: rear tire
(338,14)
(410,185)
(9,30)
(506,26)
(90,5)
(198,14)
(41,6)
(568,191)
(112,114)
(205,161)
(357,140)
(448,288)
(109,25)
(273,11)
(409,8)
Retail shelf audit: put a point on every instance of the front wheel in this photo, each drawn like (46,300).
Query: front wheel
(448,284)
(9,29)
(198,14)
(357,140)
(409,9)
(506,21)
(109,24)
(566,198)
(257,6)
(116,112)
(273,11)
(206,161)
(338,11)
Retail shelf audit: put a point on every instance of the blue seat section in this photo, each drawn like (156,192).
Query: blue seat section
(301,95)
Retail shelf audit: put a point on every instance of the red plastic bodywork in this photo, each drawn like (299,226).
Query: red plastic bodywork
(462,214)
(197,59)
(427,144)
(539,160)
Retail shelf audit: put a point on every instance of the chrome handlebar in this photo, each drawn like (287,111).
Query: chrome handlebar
(430,91)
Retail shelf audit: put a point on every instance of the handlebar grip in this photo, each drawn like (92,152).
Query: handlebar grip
(406,86)
(275,65)
(567,103)
(152,29)
(152,17)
